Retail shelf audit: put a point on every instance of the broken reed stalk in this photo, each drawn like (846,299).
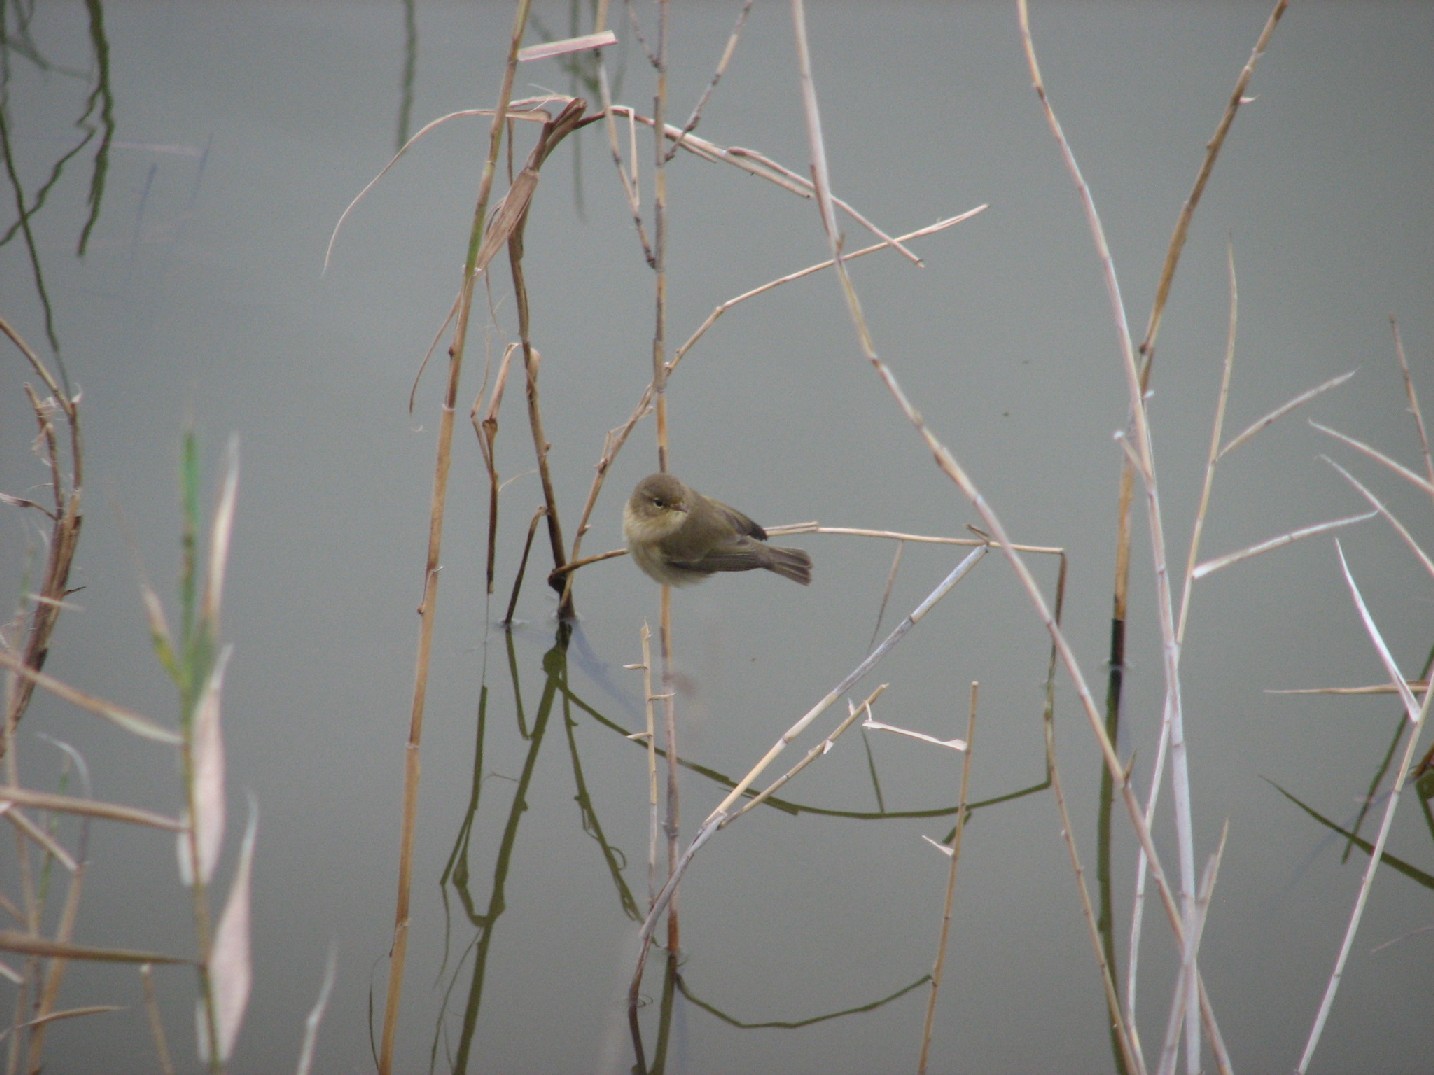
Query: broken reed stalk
(1140,451)
(487,432)
(817,751)
(522,566)
(723,812)
(938,966)
(427,612)
(1157,313)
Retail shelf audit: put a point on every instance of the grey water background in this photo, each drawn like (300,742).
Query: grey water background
(240,131)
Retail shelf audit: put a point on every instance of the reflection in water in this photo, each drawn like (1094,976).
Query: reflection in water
(472,919)
(96,117)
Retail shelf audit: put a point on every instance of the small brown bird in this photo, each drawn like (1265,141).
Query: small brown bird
(678,536)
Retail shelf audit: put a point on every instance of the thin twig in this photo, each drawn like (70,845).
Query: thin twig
(939,965)
(817,751)
(1413,398)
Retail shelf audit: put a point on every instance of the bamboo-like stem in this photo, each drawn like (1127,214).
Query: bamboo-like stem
(427,611)
(672,820)
(938,967)
(1142,454)
(651,726)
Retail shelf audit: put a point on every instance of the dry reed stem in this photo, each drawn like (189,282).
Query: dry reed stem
(121,716)
(853,711)
(1413,398)
(66,520)
(898,633)
(487,431)
(568,45)
(718,816)
(630,188)
(443,455)
(1147,347)
(754,163)
(1157,769)
(1202,177)
(86,807)
(1170,1049)
(938,966)
(1423,485)
(1123,1026)
(156,1024)
(1373,688)
(947,463)
(1147,350)
(672,820)
(1212,456)
(1141,447)
(659,261)
(63,933)
(1416,712)
(1282,410)
(617,437)
(1279,541)
(37,835)
(1389,517)
(31,944)
(648,697)
(717,73)
(507,229)
(522,566)
(891,574)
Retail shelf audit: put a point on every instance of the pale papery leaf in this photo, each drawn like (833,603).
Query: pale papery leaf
(570,44)
(208,768)
(1411,707)
(1211,566)
(219,539)
(230,967)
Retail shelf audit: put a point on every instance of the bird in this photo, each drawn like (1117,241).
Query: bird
(678,536)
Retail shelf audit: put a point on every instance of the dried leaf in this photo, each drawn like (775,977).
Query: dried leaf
(230,969)
(208,775)
(567,45)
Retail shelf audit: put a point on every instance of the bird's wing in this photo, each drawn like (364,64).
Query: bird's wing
(740,521)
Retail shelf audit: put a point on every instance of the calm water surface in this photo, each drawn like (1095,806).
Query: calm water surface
(180,169)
